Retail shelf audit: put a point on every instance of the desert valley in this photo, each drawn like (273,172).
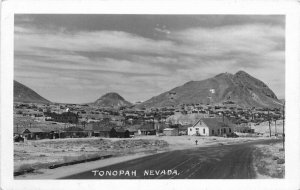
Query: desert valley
(55,140)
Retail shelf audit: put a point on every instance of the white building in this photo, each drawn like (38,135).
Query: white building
(211,127)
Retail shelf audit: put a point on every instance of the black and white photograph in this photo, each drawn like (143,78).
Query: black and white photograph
(151,97)
(161,96)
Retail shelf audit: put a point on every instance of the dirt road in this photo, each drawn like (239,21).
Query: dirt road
(215,162)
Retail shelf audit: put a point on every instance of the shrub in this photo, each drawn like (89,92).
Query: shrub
(92,156)
(25,167)
(81,157)
(68,158)
(280,161)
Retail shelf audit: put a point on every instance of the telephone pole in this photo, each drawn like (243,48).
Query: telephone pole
(275,128)
(269,122)
(283,135)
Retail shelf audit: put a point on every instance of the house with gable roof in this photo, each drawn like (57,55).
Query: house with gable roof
(216,126)
(35,134)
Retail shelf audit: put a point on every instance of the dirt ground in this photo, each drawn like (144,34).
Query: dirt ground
(269,161)
(40,154)
(186,142)
(264,128)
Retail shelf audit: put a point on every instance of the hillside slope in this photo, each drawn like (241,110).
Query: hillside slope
(24,94)
(240,88)
(111,99)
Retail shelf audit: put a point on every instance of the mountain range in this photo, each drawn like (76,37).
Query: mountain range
(239,88)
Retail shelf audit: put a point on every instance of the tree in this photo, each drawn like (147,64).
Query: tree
(113,132)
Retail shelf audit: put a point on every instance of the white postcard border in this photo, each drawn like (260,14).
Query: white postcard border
(288,8)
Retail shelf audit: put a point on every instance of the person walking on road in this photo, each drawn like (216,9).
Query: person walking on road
(196,142)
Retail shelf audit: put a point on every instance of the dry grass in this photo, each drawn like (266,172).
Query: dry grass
(25,167)
(269,161)
(43,153)
(80,157)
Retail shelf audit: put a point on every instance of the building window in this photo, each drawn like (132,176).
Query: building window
(212,131)
(203,131)
(190,129)
(224,130)
(229,130)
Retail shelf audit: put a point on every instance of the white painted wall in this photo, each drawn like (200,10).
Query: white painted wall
(203,130)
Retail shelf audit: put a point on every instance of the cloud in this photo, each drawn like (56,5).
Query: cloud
(89,41)
(193,41)
(254,39)
(99,61)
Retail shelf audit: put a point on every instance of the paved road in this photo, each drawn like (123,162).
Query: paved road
(215,162)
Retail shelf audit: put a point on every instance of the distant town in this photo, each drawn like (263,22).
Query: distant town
(51,135)
(39,121)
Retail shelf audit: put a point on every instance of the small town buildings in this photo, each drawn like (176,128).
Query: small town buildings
(88,128)
(244,128)
(110,132)
(74,132)
(160,126)
(102,131)
(211,127)
(119,133)
(35,134)
(54,134)
(18,138)
(147,129)
(132,132)
(171,131)
(122,133)
(144,131)
(105,132)
(183,129)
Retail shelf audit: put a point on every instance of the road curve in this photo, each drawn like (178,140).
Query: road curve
(215,162)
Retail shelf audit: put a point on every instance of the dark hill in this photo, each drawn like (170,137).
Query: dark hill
(24,94)
(240,88)
(111,99)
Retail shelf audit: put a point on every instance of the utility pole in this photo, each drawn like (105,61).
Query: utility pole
(252,116)
(283,135)
(269,122)
(223,118)
(275,128)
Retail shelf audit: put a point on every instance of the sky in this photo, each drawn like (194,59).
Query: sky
(78,58)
